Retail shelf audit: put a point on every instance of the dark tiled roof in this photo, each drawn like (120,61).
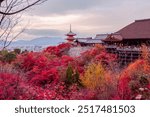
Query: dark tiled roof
(140,29)
(114,37)
(82,40)
(101,36)
(70,34)
(88,40)
(94,41)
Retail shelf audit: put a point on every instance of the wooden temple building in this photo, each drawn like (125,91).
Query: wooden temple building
(126,42)
(134,34)
(89,41)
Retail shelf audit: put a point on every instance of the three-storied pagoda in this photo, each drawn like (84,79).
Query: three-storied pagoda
(70,36)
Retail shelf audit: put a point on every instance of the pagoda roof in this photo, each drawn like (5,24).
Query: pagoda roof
(101,36)
(140,29)
(88,40)
(94,41)
(114,37)
(82,40)
(70,34)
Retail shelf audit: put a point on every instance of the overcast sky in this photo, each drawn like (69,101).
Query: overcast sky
(88,17)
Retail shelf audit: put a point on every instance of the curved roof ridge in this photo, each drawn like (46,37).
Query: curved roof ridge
(140,29)
(141,20)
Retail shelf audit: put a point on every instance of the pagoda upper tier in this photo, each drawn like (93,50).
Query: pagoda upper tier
(70,36)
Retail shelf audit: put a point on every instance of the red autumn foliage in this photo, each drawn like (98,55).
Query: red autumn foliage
(8,86)
(43,75)
(14,87)
(96,54)
(134,81)
(105,57)
(123,88)
(58,50)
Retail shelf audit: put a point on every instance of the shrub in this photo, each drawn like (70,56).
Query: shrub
(146,58)
(13,85)
(17,51)
(7,57)
(25,61)
(133,78)
(94,76)
(69,75)
(58,50)
(72,77)
(45,77)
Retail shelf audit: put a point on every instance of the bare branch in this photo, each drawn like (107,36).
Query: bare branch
(14,37)
(22,9)
(9,20)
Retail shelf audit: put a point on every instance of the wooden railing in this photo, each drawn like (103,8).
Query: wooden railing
(125,55)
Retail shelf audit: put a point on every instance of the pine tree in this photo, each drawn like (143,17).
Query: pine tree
(69,74)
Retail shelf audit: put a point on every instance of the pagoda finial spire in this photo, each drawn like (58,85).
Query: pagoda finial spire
(70,28)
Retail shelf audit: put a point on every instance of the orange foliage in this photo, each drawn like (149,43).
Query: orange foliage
(96,76)
(133,78)
(134,68)
(146,58)
(100,47)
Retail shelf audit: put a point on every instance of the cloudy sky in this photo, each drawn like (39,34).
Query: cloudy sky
(88,17)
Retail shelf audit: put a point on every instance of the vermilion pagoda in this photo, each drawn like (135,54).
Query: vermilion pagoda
(70,36)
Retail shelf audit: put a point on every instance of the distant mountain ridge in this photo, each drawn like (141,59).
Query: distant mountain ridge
(42,41)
